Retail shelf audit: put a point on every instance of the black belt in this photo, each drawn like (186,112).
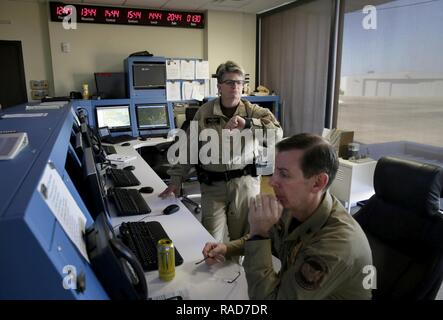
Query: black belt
(207,177)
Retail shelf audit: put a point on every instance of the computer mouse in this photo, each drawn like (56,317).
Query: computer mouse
(125,144)
(129,168)
(146,190)
(171,209)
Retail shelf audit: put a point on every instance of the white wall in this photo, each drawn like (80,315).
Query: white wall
(27,22)
(231,36)
(99,48)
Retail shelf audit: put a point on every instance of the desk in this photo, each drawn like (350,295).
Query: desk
(189,236)
(34,249)
(354,181)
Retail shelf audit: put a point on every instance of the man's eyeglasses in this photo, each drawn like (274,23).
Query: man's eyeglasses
(234,82)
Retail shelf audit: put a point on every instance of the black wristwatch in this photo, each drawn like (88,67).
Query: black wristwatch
(248,123)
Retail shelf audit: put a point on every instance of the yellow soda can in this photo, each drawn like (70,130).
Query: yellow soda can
(166,259)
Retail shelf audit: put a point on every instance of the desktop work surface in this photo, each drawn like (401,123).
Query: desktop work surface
(32,232)
(189,237)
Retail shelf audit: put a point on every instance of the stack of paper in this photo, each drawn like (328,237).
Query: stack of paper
(47,105)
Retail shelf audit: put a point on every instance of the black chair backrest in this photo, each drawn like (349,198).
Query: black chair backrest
(189,116)
(405,229)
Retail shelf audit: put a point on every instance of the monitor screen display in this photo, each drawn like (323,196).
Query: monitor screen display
(103,132)
(149,75)
(113,117)
(152,117)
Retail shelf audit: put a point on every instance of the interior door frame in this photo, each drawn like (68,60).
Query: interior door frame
(18,45)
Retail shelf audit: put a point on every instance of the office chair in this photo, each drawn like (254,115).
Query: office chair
(404,227)
(156,157)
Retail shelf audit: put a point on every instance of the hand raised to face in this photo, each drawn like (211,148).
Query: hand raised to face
(264,212)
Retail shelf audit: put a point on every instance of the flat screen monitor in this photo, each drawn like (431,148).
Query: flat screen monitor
(149,75)
(116,118)
(152,116)
(110,85)
(94,190)
(103,132)
(76,118)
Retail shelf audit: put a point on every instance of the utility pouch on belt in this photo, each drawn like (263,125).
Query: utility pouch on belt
(207,177)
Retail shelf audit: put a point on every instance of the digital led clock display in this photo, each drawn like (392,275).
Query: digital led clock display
(131,16)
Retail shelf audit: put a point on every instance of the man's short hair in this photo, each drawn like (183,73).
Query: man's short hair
(318,156)
(227,67)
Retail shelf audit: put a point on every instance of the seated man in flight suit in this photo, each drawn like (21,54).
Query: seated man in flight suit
(322,249)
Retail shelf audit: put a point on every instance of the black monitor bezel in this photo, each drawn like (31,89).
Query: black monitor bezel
(152,105)
(114,129)
(148,87)
(106,93)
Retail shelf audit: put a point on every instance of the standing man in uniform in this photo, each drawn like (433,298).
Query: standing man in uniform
(227,186)
(322,249)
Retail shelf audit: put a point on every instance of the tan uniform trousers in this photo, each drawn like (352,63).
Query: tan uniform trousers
(225,207)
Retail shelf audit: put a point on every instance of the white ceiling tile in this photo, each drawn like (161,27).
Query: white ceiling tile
(145,3)
(259,6)
(229,3)
(104,2)
(185,5)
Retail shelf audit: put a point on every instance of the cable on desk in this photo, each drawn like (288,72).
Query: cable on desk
(131,221)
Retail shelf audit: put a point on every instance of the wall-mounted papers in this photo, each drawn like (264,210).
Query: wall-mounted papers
(173,69)
(63,206)
(198,91)
(213,89)
(187,87)
(201,70)
(173,91)
(187,69)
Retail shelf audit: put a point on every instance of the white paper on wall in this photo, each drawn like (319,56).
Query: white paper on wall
(187,69)
(201,70)
(173,91)
(172,69)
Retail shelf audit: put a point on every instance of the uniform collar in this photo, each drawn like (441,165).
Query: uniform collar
(241,109)
(314,223)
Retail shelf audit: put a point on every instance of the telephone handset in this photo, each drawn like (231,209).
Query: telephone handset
(115,266)
(131,266)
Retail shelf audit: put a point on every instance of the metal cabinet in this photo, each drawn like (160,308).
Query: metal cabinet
(354,181)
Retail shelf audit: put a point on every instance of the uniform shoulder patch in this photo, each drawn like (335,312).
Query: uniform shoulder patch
(311,273)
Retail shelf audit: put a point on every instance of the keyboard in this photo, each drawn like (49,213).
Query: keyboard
(109,149)
(117,139)
(142,237)
(122,178)
(129,202)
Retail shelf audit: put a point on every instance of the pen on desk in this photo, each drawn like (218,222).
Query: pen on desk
(198,262)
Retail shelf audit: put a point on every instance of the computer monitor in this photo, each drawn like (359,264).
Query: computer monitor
(116,118)
(149,75)
(94,197)
(111,85)
(76,121)
(151,117)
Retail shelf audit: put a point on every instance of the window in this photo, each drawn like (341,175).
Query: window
(391,86)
